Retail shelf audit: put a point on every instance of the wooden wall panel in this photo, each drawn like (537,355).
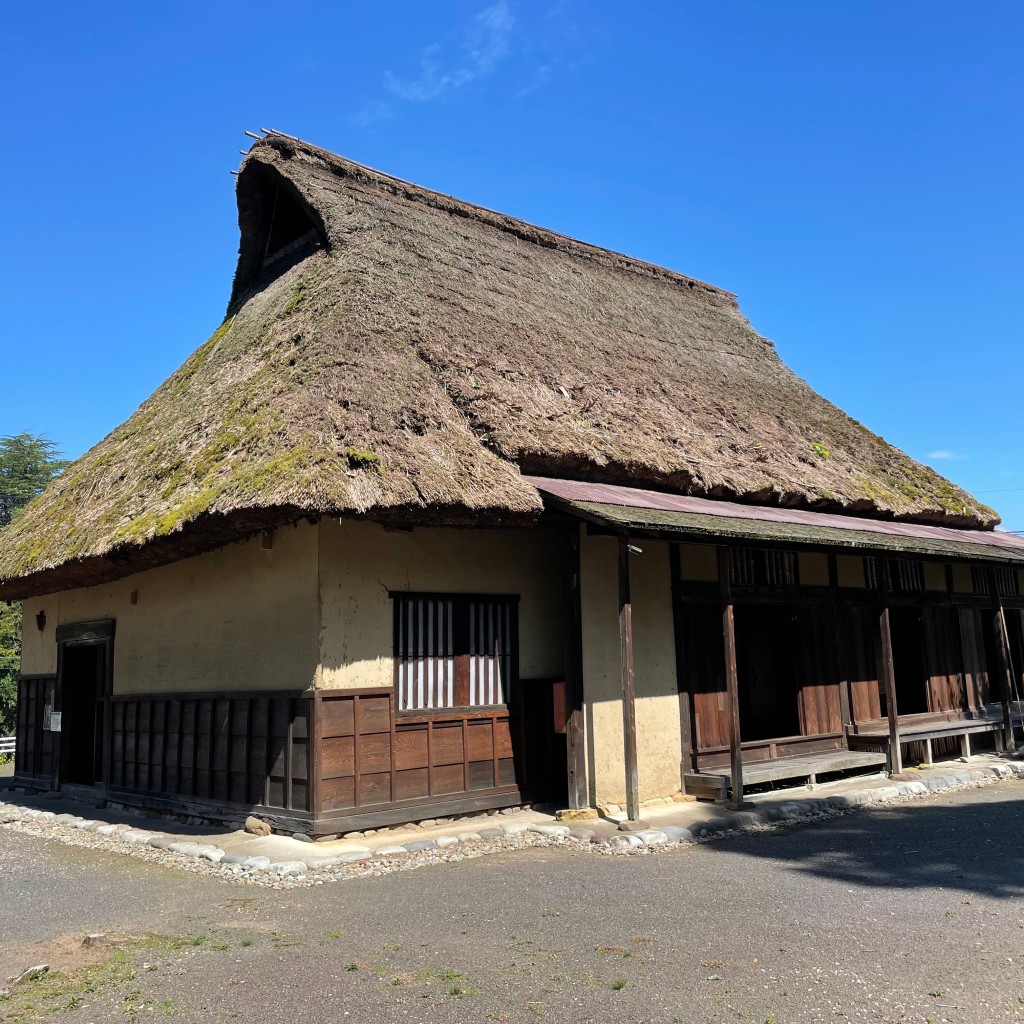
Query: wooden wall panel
(819,703)
(704,660)
(946,688)
(35,745)
(862,660)
(373,758)
(972,638)
(238,749)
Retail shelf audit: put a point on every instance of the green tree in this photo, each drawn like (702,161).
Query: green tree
(27,464)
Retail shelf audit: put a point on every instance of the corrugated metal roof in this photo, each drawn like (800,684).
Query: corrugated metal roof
(631,507)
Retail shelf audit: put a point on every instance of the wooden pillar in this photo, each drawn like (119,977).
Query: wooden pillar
(889,671)
(731,678)
(1004,660)
(107,753)
(628,690)
(842,661)
(574,724)
(682,683)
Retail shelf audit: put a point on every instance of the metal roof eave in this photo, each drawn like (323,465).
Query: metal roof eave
(700,527)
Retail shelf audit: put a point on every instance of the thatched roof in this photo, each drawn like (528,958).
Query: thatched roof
(394,353)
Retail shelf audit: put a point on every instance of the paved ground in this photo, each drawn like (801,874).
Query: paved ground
(906,913)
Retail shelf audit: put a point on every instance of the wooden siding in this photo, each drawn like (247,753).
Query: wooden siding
(703,659)
(862,661)
(35,746)
(228,750)
(975,661)
(372,757)
(818,700)
(946,691)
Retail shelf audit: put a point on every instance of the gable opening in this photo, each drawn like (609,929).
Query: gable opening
(278,229)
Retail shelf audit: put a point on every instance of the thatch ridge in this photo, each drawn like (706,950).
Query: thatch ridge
(399,355)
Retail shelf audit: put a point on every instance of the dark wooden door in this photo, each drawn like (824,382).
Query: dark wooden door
(818,667)
(860,626)
(946,690)
(976,674)
(704,661)
(538,729)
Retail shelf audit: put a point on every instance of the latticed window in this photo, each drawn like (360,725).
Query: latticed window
(454,650)
(907,577)
(756,567)
(1006,580)
(871,580)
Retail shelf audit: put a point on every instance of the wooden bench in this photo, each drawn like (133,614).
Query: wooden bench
(928,733)
(714,783)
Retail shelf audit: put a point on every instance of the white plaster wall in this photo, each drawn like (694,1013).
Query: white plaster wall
(657,698)
(237,618)
(361,562)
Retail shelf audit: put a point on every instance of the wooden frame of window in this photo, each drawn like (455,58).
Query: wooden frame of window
(439,648)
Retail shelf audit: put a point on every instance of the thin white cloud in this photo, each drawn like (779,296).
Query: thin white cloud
(373,113)
(486,43)
(530,55)
(943,453)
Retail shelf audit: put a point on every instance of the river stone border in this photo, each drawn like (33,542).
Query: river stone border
(362,861)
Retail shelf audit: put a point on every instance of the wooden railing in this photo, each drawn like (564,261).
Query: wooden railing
(7,744)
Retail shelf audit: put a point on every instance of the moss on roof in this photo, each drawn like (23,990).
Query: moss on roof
(394,353)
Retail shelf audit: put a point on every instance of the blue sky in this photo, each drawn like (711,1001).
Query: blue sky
(851,170)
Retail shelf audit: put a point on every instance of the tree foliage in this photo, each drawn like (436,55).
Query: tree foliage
(27,464)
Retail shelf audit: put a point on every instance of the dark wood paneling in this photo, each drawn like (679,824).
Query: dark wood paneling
(819,701)
(35,745)
(946,688)
(862,661)
(704,659)
(236,749)
(972,637)
(372,757)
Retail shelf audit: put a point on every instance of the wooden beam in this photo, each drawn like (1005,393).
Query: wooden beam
(682,683)
(1004,659)
(732,686)
(628,689)
(889,671)
(576,764)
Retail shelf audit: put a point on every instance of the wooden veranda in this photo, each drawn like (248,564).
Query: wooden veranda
(809,644)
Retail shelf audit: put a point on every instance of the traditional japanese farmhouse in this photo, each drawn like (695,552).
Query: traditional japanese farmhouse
(452,512)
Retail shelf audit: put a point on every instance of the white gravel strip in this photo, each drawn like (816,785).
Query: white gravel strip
(207,859)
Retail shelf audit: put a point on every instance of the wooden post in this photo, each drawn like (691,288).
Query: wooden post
(574,738)
(731,679)
(889,672)
(628,692)
(682,683)
(107,654)
(839,623)
(1004,660)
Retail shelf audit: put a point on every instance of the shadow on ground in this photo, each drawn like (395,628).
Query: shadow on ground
(966,841)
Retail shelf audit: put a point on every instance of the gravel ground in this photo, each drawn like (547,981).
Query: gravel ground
(909,912)
(483,835)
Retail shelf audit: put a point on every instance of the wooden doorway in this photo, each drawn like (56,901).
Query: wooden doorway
(84,683)
(768,647)
(908,655)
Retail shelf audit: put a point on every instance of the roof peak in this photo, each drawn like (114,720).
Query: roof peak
(290,145)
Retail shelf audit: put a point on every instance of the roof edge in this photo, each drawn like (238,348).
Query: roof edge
(217,530)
